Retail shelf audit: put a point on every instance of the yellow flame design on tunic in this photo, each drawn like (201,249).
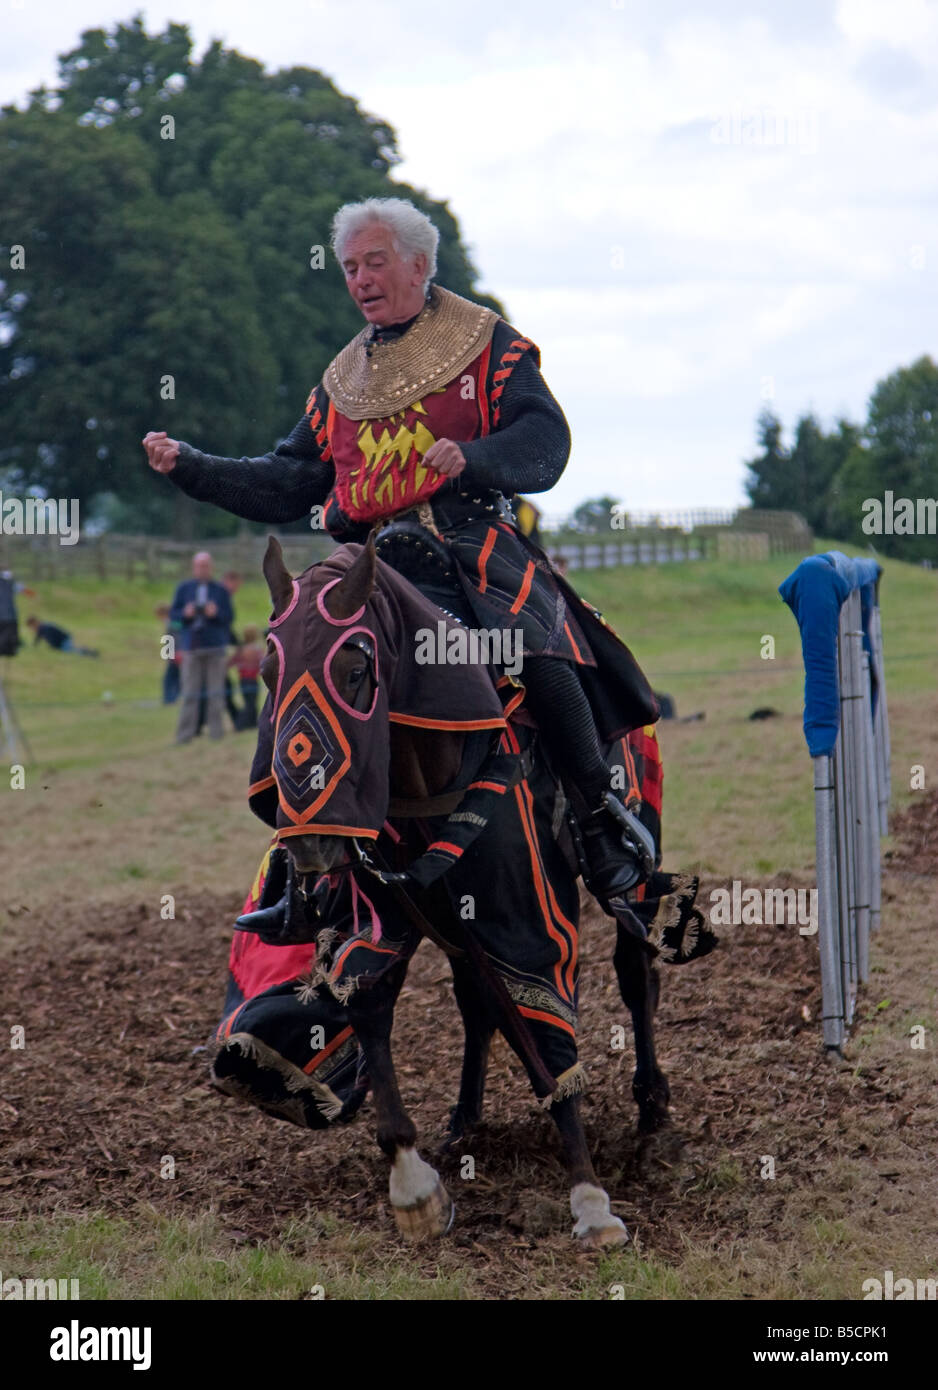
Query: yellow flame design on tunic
(388,474)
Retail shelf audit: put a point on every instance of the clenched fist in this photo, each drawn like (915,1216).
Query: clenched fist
(445,456)
(162,452)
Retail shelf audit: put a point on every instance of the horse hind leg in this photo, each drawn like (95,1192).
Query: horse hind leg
(595,1226)
(421,1205)
(639,986)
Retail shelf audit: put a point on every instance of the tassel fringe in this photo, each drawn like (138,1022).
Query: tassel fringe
(571,1082)
(295,1080)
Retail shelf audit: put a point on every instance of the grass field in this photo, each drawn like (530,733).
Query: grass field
(113,817)
(113,796)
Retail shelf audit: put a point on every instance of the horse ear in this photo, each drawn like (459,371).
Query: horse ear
(279,579)
(355,587)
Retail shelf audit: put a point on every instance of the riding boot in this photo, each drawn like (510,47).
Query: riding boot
(284,915)
(619,851)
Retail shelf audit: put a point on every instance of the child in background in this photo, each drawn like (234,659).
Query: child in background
(56,637)
(247,661)
(171,665)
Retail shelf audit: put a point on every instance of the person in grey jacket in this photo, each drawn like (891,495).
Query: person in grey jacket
(202,607)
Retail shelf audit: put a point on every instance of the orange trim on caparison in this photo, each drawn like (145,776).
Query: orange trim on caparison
(317,829)
(367,945)
(445,846)
(261,786)
(420,723)
(540,1017)
(490,538)
(514,702)
(538,880)
(328,1050)
(525,588)
(567,949)
(305,681)
(572,640)
(558,916)
(224,1029)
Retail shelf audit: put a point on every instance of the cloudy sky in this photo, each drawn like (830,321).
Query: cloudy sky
(693,208)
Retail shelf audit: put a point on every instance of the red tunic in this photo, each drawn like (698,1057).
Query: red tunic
(507,579)
(379,467)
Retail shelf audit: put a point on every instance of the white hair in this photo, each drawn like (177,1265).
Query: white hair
(411,230)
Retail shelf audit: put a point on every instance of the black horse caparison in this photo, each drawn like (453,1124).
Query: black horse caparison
(332,670)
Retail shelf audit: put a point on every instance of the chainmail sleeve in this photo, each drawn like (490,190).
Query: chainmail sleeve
(277,487)
(528,450)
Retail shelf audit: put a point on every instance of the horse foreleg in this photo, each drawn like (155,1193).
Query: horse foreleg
(421,1205)
(589,1203)
(478,1030)
(638,985)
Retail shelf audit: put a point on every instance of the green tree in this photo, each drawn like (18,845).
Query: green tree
(770,483)
(593,516)
(825,512)
(900,456)
(816,459)
(168,209)
(802,478)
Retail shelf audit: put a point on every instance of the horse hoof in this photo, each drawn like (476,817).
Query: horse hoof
(460,1133)
(421,1204)
(428,1218)
(596,1228)
(652,1099)
(602,1237)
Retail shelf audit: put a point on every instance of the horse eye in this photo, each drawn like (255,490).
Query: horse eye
(357,675)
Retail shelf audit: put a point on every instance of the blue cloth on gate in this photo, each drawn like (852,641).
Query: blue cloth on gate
(815,592)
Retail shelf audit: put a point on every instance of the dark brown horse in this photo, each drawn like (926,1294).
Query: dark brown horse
(339,737)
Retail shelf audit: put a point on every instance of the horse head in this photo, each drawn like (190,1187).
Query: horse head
(312,684)
(350,707)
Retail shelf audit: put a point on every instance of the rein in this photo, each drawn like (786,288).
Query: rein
(510,1022)
(469,811)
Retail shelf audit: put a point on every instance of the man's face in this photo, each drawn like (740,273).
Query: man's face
(386,287)
(202,567)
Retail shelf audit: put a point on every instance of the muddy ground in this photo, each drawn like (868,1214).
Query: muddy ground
(115,1006)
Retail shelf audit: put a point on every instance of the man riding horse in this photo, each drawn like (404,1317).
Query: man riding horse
(437,410)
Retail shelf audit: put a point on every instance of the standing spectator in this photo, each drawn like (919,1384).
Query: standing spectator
(232,582)
(56,637)
(247,661)
(203,607)
(172,675)
(9,623)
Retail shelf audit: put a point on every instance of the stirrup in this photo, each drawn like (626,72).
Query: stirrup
(636,837)
(605,874)
(288,920)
